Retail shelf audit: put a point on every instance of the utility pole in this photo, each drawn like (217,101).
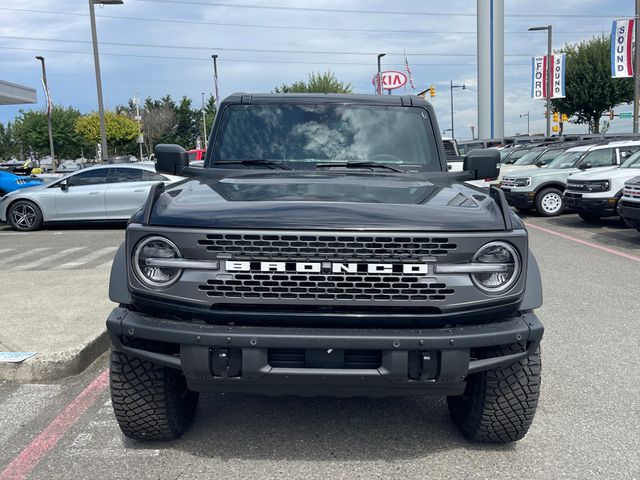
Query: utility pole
(215,79)
(526,115)
(379,79)
(139,119)
(96,61)
(463,87)
(54,165)
(204,123)
(549,88)
(636,77)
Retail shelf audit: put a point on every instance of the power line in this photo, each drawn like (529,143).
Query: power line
(283,27)
(250,50)
(375,12)
(234,60)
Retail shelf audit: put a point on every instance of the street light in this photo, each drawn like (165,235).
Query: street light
(549,30)
(379,79)
(463,87)
(49,106)
(526,115)
(96,60)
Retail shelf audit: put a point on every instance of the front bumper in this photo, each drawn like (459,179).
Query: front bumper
(601,207)
(522,200)
(312,361)
(630,212)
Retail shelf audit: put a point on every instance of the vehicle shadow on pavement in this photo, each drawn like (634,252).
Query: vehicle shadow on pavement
(321,428)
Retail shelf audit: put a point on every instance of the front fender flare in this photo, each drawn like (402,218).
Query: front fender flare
(533,290)
(118,282)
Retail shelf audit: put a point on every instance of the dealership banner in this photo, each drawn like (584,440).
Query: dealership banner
(539,76)
(621,48)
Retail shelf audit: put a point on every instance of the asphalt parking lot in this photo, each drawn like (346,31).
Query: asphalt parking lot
(586,426)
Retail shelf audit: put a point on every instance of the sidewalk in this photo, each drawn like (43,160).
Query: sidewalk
(58,314)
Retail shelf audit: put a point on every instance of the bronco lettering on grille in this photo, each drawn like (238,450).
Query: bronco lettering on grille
(317,267)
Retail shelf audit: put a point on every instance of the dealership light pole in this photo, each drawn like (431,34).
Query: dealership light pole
(215,79)
(636,74)
(96,61)
(549,30)
(204,122)
(463,87)
(49,107)
(526,115)
(379,78)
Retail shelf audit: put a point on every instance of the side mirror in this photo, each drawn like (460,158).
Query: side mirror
(542,163)
(170,159)
(483,164)
(64,185)
(585,166)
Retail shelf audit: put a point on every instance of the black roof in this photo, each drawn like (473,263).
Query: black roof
(326,98)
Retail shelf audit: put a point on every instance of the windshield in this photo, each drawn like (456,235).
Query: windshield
(632,162)
(304,135)
(566,160)
(530,157)
(516,154)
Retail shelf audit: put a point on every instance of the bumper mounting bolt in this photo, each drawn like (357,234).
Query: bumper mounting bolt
(131,331)
(253,342)
(451,342)
(518,337)
(198,339)
(396,344)
(228,339)
(421,342)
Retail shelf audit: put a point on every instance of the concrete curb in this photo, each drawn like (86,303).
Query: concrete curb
(54,366)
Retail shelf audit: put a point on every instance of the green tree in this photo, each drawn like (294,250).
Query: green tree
(590,90)
(121,130)
(9,147)
(30,130)
(317,83)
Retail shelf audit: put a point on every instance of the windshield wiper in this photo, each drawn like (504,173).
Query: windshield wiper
(370,165)
(267,163)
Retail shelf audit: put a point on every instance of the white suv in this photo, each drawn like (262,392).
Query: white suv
(629,206)
(596,194)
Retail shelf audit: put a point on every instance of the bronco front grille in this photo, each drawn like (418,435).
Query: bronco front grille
(319,287)
(326,247)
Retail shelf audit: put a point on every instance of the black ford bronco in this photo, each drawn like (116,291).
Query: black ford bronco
(324,249)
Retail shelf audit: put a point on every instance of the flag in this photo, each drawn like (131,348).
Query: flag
(47,96)
(621,48)
(539,76)
(408,69)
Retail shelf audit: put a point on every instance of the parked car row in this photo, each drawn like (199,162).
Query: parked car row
(105,193)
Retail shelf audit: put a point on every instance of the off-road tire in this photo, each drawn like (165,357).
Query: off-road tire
(543,203)
(498,405)
(150,402)
(32,221)
(589,217)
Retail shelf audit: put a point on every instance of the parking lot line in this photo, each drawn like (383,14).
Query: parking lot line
(28,253)
(48,258)
(26,461)
(584,242)
(86,259)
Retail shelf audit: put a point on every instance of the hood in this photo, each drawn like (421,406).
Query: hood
(332,201)
(600,173)
(540,172)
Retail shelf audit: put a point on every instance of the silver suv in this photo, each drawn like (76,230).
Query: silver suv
(629,208)
(542,188)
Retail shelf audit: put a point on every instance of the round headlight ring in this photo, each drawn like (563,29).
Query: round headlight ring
(144,279)
(517,267)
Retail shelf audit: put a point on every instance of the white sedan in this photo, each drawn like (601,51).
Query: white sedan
(105,193)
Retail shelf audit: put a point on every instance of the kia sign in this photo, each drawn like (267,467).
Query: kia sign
(392,80)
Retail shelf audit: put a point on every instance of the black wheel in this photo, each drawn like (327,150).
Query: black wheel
(549,202)
(589,217)
(25,216)
(150,402)
(498,405)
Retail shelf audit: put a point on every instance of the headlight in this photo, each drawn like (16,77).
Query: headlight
(155,248)
(500,253)
(601,186)
(522,182)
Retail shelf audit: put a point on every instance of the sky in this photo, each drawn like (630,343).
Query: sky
(165,46)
